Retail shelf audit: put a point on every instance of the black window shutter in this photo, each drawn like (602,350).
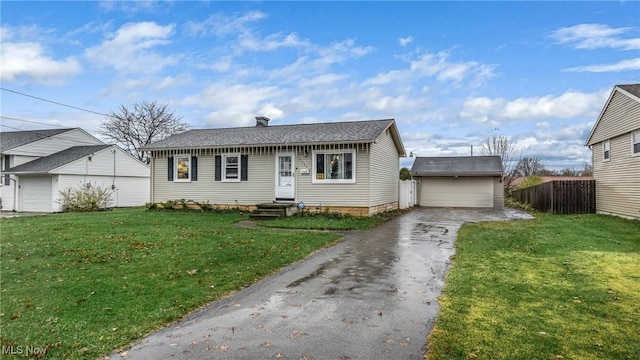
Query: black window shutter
(244,167)
(170,167)
(348,165)
(7,178)
(218,176)
(194,168)
(319,163)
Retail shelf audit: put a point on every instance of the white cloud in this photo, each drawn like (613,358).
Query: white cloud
(568,105)
(235,104)
(405,41)
(26,61)
(131,48)
(438,66)
(624,65)
(595,36)
(271,42)
(132,7)
(221,25)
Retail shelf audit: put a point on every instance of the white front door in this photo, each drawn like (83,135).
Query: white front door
(285,171)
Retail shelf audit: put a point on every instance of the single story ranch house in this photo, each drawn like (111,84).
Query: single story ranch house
(347,167)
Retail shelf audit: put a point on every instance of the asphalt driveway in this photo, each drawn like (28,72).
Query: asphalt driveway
(373,296)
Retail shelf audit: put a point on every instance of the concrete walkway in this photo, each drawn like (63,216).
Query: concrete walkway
(373,296)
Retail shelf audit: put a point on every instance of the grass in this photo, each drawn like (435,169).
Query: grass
(557,287)
(79,285)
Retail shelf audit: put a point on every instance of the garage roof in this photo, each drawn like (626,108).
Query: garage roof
(457,166)
(53,161)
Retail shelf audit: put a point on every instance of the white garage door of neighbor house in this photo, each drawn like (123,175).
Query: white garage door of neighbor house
(457,192)
(35,194)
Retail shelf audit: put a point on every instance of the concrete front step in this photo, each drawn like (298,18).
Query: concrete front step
(268,211)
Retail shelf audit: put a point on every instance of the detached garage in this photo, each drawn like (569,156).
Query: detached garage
(462,182)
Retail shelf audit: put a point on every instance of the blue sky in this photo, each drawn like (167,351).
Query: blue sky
(450,73)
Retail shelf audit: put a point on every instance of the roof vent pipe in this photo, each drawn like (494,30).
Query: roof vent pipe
(262,121)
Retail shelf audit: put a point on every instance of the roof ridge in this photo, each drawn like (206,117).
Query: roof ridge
(296,124)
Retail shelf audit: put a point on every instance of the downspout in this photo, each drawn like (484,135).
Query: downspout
(113,182)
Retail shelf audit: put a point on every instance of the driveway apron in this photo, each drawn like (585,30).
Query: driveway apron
(373,296)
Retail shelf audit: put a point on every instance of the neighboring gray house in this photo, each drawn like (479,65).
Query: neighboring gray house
(38,164)
(464,181)
(349,167)
(615,144)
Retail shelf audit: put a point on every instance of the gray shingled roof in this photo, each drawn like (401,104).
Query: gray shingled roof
(631,88)
(299,134)
(457,165)
(13,139)
(53,161)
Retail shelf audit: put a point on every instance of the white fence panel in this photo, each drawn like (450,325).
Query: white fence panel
(407,192)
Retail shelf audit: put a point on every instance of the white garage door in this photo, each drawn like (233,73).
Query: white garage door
(457,192)
(35,194)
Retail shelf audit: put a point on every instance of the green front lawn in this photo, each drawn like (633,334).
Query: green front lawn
(80,285)
(557,287)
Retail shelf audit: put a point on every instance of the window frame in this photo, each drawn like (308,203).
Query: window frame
(635,139)
(223,167)
(606,147)
(176,160)
(314,178)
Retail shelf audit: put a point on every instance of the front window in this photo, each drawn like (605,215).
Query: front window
(334,167)
(231,167)
(606,150)
(635,145)
(183,168)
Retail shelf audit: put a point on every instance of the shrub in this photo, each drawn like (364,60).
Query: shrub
(530,181)
(86,197)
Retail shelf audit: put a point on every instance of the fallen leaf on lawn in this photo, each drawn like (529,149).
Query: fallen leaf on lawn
(472,356)
(192,272)
(221,348)
(558,357)
(83,350)
(266,345)
(296,334)
(542,333)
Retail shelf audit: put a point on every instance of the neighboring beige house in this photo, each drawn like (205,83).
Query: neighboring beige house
(460,181)
(38,164)
(349,167)
(615,145)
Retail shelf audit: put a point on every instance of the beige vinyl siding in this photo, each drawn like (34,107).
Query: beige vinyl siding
(617,180)
(498,193)
(328,195)
(259,187)
(621,116)
(385,169)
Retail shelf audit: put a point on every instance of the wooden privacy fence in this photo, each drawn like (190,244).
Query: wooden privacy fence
(560,196)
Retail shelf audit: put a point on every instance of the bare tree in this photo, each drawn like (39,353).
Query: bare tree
(528,166)
(501,145)
(587,169)
(141,124)
(569,171)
